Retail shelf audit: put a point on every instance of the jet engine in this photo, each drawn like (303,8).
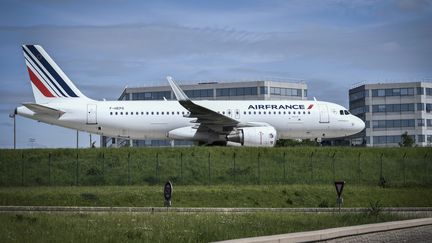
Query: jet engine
(264,136)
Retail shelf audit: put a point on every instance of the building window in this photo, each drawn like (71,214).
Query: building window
(420,138)
(428,108)
(357,95)
(157,95)
(429,123)
(285,91)
(420,122)
(237,91)
(420,106)
(198,93)
(392,92)
(428,91)
(420,91)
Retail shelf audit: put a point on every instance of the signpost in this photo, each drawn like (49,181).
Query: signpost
(168,188)
(339,188)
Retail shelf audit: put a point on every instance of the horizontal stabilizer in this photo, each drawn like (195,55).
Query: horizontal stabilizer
(43,110)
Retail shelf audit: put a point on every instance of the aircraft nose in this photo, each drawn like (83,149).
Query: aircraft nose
(358,125)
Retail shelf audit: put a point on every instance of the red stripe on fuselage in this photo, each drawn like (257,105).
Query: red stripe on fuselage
(39,84)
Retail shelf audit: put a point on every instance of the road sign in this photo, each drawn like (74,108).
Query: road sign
(168,191)
(339,187)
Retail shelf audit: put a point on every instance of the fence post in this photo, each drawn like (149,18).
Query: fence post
(334,166)
(49,169)
(404,168)
(157,167)
(128,168)
(381,179)
(103,165)
(181,166)
(22,169)
(284,165)
(311,166)
(234,166)
(76,170)
(359,168)
(209,169)
(427,168)
(259,168)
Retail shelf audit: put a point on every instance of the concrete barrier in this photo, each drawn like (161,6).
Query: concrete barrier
(334,233)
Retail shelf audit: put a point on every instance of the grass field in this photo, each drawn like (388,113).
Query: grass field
(167,227)
(276,196)
(216,166)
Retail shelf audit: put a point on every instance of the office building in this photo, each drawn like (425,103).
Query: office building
(391,109)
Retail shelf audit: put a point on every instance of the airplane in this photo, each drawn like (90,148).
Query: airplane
(252,123)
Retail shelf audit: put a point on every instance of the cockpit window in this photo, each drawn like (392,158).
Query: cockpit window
(346,112)
(341,112)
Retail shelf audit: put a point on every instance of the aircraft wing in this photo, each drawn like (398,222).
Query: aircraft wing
(43,110)
(205,117)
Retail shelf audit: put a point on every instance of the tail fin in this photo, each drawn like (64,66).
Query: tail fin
(47,79)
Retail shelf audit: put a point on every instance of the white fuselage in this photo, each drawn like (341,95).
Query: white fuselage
(154,119)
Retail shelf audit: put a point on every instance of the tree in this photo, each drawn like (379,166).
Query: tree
(407,140)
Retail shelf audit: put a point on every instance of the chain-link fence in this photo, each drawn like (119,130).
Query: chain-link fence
(212,166)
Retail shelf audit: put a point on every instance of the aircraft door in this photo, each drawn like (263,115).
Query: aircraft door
(324,114)
(91,114)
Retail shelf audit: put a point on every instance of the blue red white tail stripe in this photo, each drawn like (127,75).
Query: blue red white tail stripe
(51,70)
(38,72)
(44,76)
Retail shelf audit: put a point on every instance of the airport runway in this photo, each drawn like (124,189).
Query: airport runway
(415,211)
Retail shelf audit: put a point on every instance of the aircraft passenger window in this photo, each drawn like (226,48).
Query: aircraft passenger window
(250,113)
(274,112)
(264,112)
(341,112)
(178,112)
(244,112)
(254,112)
(284,112)
(346,112)
(121,113)
(110,113)
(167,112)
(142,113)
(116,113)
(147,112)
(162,113)
(157,112)
(280,112)
(136,113)
(152,113)
(259,112)
(308,112)
(223,112)
(172,113)
(304,112)
(293,112)
(182,112)
(126,112)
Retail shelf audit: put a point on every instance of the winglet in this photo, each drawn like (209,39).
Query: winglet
(178,92)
